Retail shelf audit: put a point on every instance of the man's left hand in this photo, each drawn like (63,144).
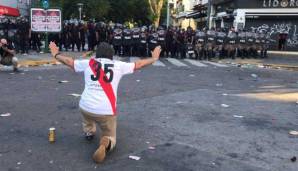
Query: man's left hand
(54,49)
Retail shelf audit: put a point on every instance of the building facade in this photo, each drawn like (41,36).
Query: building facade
(275,17)
(15,7)
(181,11)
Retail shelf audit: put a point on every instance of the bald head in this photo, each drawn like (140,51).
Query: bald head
(3,41)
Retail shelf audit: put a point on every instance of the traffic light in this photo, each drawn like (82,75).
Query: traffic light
(45,4)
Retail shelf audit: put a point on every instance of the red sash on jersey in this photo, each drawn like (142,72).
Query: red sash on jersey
(107,87)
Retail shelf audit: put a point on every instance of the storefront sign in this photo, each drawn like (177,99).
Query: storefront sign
(280,3)
(45,20)
(5,10)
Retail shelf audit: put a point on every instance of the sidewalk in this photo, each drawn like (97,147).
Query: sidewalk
(37,59)
(287,60)
(276,60)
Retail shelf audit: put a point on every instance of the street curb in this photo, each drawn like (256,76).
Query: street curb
(268,65)
(33,63)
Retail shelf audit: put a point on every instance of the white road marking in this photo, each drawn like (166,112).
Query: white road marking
(195,63)
(215,64)
(158,63)
(176,62)
(118,58)
(134,59)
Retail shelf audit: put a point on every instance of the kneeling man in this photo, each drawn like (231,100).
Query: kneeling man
(98,101)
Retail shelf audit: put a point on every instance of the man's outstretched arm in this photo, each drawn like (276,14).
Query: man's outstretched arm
(66,60)
(145,62)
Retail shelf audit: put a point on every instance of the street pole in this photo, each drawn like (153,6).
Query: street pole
(45,7)
(209,13)
(80,5)
(80,10)
(168,13)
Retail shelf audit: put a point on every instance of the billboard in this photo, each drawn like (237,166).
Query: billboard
(46,20)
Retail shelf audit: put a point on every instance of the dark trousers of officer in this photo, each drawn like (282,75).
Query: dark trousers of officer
(127,50)
(136,49)
(143,49)
(200,51)
(24,43)
(231,51)
(75,42)
(182,50)
(91,43)
(173,49)
(83,43)
(36,44)
(264,51)
(117,49)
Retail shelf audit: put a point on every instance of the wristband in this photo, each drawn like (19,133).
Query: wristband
(56,55)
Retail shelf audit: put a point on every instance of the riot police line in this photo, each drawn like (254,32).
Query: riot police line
(201,44)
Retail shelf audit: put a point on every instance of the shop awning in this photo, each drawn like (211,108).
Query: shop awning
(9,11)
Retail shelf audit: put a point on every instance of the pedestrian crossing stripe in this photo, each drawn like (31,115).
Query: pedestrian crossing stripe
(195,63)
(134,59)
(176,62)
(158,63)
(215,64)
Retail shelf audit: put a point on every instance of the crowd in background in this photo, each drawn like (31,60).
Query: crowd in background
(139,41)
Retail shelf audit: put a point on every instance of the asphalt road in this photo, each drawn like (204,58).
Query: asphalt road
(207,118)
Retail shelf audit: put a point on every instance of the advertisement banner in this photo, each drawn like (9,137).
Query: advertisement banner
(46,20)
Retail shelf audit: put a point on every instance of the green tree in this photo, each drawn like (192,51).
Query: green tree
(156,6)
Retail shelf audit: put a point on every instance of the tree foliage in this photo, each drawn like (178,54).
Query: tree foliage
(136,11)
(156,7)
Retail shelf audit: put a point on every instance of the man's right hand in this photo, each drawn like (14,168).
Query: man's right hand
(145,62)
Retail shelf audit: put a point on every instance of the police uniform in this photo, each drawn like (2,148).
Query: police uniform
(153,41)
(91,36)
(190,42)
(211,35)
(200,38)
(231,44)
(250,43)
(242,44)
(127,42)
(117,41)
(136,37)
(220,43)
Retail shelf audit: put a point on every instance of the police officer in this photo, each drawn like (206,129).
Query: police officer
(127,42)
(117,40)
(136,36)
(220,42)
(91,36)
(264,44)
(75,36)
(82,28)
(152,40)
(143,42)
(190,42)
(24,30)
(257,45)
(200,39)
(169,40)
(174,44)
(250,43)
(162,40)
(241,41)
(231,46)
(211,35)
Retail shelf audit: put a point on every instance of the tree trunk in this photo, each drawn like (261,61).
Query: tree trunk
(156,6)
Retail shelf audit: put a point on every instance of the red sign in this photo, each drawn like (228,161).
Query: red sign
(4,10)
